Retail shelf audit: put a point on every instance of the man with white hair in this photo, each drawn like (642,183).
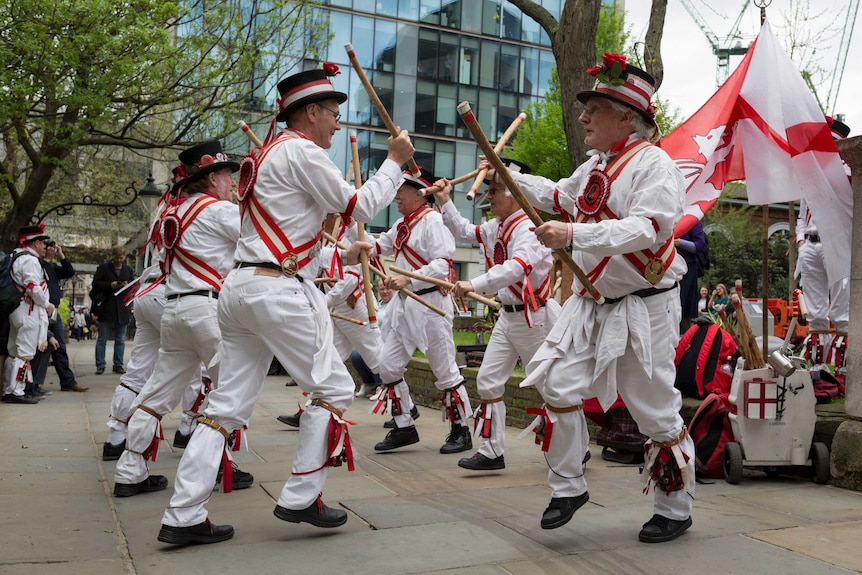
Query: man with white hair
(624,201)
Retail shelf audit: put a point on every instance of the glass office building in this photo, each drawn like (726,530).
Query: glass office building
(423,57)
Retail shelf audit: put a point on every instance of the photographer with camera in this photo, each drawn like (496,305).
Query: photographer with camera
(56,350)
(113,315)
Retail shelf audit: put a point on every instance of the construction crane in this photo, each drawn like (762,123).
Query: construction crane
(841,60)
(731,45)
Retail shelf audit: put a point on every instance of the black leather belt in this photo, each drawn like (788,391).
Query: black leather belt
(266,265)
(812,238)
(202,292)
(427,290)
(641,293)
(517,307)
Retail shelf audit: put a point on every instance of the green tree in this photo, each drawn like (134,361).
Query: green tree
(735,251)
(140,76)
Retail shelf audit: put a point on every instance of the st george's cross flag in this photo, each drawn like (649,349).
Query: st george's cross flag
(764,126)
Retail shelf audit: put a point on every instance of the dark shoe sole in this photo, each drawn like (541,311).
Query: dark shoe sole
(382,446)
(568,517)
(292,516)
(150,484)
(111,452)
(167,535)
(680,529)
(467,463)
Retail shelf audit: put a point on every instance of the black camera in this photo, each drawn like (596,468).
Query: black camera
(50,243)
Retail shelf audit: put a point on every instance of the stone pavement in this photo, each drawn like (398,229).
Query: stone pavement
(410,511)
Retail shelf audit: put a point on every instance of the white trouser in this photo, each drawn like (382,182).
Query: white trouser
(395,355)
(511,339)
(190,398)
(145,351)
(824,302)
(190,335)
(262,316)
(654,404)
(348,336)
(28,327)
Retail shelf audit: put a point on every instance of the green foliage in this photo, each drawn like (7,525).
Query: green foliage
(735,251)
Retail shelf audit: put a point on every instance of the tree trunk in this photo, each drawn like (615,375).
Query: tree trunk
(652,42)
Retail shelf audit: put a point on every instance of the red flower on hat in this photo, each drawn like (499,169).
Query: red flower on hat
(612,70)
(829,120)
(330,69)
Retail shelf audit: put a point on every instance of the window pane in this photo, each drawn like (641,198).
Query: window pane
(511,21)
(450,13)
(487,70)
(387,7)
(341,3)
(408,45)
(468,62)
(363,29)
(428,44)
(384,85)
(404,110)
(507,113)
(340,25)
(529,70)
(424,152)
(447,113)
(471,16)
(491,17)
(468,94)
(487,113)
(384,46)
(408,9)
(448,71)
(429,11)
(509,64)
(426,104)
(546,62)
(530,30)
(444,160)
(364,5)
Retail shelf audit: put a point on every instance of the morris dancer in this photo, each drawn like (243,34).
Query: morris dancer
(825,303)
(28,323)
(518,269)
(625,200)
(270,306)
(420,242)
(198,236)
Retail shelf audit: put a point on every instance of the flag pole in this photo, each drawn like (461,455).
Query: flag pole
(764,236)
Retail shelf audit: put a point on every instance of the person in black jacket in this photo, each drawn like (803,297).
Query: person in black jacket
(54,272)
(113,315)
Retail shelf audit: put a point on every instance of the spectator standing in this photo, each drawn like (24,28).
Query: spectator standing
(113,315)
(690,244)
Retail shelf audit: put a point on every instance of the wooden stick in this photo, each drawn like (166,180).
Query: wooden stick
(318,281)
(360,235)
(249,134)
(501,143)
(455,182)
(750,351)
(345,318)
(381,109)
(381,273)
(470,120)
(447,285)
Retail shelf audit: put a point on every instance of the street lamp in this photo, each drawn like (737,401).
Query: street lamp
(150,195)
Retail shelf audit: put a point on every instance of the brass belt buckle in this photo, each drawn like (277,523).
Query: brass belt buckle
(290,266)
(654,271)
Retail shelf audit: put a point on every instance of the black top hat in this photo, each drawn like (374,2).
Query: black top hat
(28,234)
(839,129)
(305,88)
(203,159)
(514,166)
(621,82)
(425,179)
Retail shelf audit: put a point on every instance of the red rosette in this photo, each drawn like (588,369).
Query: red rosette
(595,195)
(499,254)
(247,177)
(402,235)
(170,229)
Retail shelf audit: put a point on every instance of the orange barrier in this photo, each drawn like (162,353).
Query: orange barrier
(782,312)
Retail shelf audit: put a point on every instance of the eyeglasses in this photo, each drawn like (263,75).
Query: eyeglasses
(591,110)
(333,112)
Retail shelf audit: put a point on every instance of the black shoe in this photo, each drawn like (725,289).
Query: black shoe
(23,399)
(110,452)
(204,532)
(241,479)
(621,456)
(561,509)
(458,440)
(318,514)
(119,369)
(151,483)
(181,440)
(587,457)
(414,413)
(100,370)
(660,529)
(481,463)
(291,420)
(398,437)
